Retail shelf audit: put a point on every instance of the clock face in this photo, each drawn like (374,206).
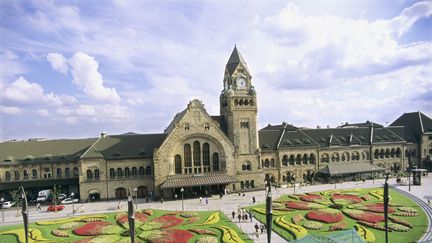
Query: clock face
(241,83)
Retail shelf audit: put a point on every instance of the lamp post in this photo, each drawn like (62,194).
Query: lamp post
(182,190)
(409,172)
(373,175)
(136,198)
(73,203)
(269,213)
(335,178)
(294,178)
(2,201)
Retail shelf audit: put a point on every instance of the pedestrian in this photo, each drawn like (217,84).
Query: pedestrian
(233,214)
(250,215)
(239,217)
(245,217)
(429,203)
(161,200)
(244,194)
(256,227)
(200,200)
(253,200)
(239,194)
(82,207)
(38,207)
(206,200)
(147,199)
(262,228)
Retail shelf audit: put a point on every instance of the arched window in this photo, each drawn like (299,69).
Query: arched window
(134,171)
(120,193)
(305,159)
(266,163)
(148,170)
(119,172)
(7,176)
(285,160)
(272,163)
(387,153)
(34,174)
(398,152)
(96,174)
(187,155)
(197,153)
(112,173)
(376,154)
(291,159)
(215,162)
(75,171)
(25,174)
(298,159)
(59,173)
(127,172)
(89,175)
(67,172)
(248,166)
(382,153)
(312,159)
(206,154)
(177,164)
(17,175)
(392,153)
(141,171)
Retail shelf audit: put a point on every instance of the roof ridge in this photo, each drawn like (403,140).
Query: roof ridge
(395,133)
(301,131)
(92,146)
(281,136)
(421,122)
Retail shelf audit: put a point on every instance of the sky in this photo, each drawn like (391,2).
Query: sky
(74,69)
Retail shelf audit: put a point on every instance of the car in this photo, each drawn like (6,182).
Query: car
(61,196)
(52,208)
(8,204)
(69,201)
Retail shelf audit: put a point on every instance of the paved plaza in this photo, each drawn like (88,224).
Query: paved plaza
(227,204)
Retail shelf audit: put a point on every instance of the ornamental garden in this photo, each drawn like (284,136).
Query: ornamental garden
(155,226)
(323,213)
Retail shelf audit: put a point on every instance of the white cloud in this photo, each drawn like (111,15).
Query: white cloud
(84,69)
(58,62)
(25,92)
(43,112)
(10,110)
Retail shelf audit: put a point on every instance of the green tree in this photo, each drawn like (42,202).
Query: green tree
(56,192)
(16,198)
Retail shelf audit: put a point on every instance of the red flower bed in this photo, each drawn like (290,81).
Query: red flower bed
(303,205)
(162,222)
(339,226)
(364,215)
(314,198)
(376,207)
(122,219)
(94,228)
(173,236)
(345,199)
(328,216)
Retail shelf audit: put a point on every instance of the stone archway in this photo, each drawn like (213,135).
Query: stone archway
(142,192)
(94,195)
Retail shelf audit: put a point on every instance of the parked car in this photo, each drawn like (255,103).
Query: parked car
(61,196)
(8,204)
(52,208)
(69,201)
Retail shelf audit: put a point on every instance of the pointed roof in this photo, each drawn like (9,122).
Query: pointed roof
(234,60)
(417,122)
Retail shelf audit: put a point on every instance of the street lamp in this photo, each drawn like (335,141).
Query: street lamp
(373,175)
(335,178)
(73,203)
(182,190)
(294,178)
(269,213)
(136,198)
(409,172)
(2,201)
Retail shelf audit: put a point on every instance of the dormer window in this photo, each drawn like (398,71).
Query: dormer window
(187,127)
(207,126)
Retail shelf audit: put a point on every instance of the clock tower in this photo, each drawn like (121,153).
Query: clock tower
(238,105)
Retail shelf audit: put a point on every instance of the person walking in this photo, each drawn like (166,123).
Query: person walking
(206,200)
(233,214)
(262,228)
(256,227)
(200,200)
(38,207)
(250,215)
(253,199)
(239,217)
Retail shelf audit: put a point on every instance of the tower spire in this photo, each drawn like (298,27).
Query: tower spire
(234,60)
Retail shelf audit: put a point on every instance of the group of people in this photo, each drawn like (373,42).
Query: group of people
(242,214)
(258,228)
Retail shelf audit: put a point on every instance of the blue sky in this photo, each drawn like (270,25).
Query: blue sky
(76,68)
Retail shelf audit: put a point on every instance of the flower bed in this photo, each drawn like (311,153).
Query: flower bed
(371,225)
(376,208)
(401,221)
(312,225)
(325,215)
(162,222)
(408,209)
(339,226)
(60,233)
(315,199)
(345,199)
(202,231)
(406,214)
(303,205)
(297,218)
(97,228)
(398,227)
(69,226)
(364,215)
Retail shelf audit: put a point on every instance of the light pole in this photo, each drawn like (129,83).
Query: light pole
(73,203)
(373,175)
(136,198)
(335,174)
(409,172)
(2,201)
(182,190)
(269,212)
(294,178)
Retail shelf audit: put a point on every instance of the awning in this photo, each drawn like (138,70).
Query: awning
(350,168)
(198,180)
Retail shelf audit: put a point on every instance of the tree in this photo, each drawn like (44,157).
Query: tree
(16,198)
(56,192)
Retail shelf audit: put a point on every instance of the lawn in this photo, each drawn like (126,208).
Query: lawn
(151,226)
(323,213)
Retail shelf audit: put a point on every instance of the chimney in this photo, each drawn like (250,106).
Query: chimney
(103,134)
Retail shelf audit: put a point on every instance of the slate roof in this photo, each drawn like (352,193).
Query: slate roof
(198,180)
(362,124)
(221,121)
(417,122)
(338,169)
(234,60)
(66,150)
(125,146)
(176,119)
